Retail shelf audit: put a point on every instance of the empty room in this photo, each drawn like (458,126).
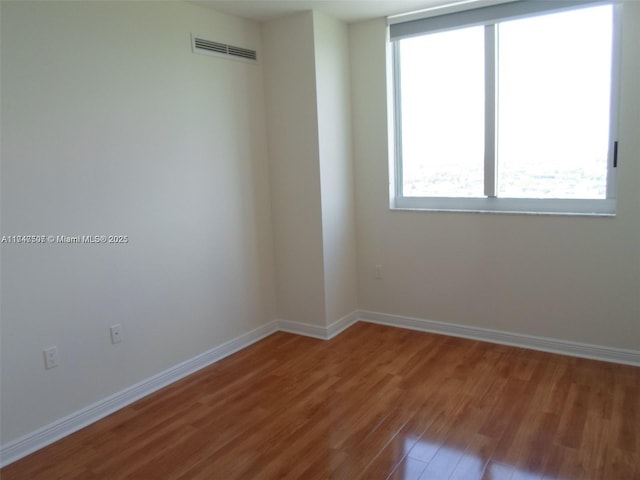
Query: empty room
(351,239)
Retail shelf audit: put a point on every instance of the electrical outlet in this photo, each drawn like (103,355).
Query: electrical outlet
(116,333)
(378,272)
(51,358)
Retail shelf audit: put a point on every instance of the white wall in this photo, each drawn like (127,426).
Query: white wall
(569,278)
(295,170)
(308,107)
(336,165)
(111,125)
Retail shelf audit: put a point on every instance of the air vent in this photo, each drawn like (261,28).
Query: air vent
(209,47)
(242,52)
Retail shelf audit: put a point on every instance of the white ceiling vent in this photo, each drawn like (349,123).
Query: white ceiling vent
(209,47)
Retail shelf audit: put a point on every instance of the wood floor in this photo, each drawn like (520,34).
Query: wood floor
(374,403)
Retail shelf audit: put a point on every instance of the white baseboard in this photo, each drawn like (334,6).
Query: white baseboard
(339,326)
(304,329)
(72,423)
(563,347)
(323,333)
(61,428)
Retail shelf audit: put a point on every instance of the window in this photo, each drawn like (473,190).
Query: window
(507,108)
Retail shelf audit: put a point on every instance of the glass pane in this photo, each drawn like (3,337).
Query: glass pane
(553,105)
(442,90)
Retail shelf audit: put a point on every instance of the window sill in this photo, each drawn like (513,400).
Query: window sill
(511,206)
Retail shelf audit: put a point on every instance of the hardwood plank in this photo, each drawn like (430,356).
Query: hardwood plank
(375,402)
(571,429)
(497,471)
(408,469)
(395,451)
(473,463)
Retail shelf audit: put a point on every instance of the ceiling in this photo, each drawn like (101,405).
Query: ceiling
(346,10)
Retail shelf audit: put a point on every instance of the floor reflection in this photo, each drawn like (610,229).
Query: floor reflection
(433,461)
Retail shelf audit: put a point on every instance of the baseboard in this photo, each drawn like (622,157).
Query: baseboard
(563,347)
(61,428)
(55,431)
(72,423)
(323,333)
(339,326)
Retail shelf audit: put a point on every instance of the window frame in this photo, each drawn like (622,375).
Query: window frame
(490,202)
